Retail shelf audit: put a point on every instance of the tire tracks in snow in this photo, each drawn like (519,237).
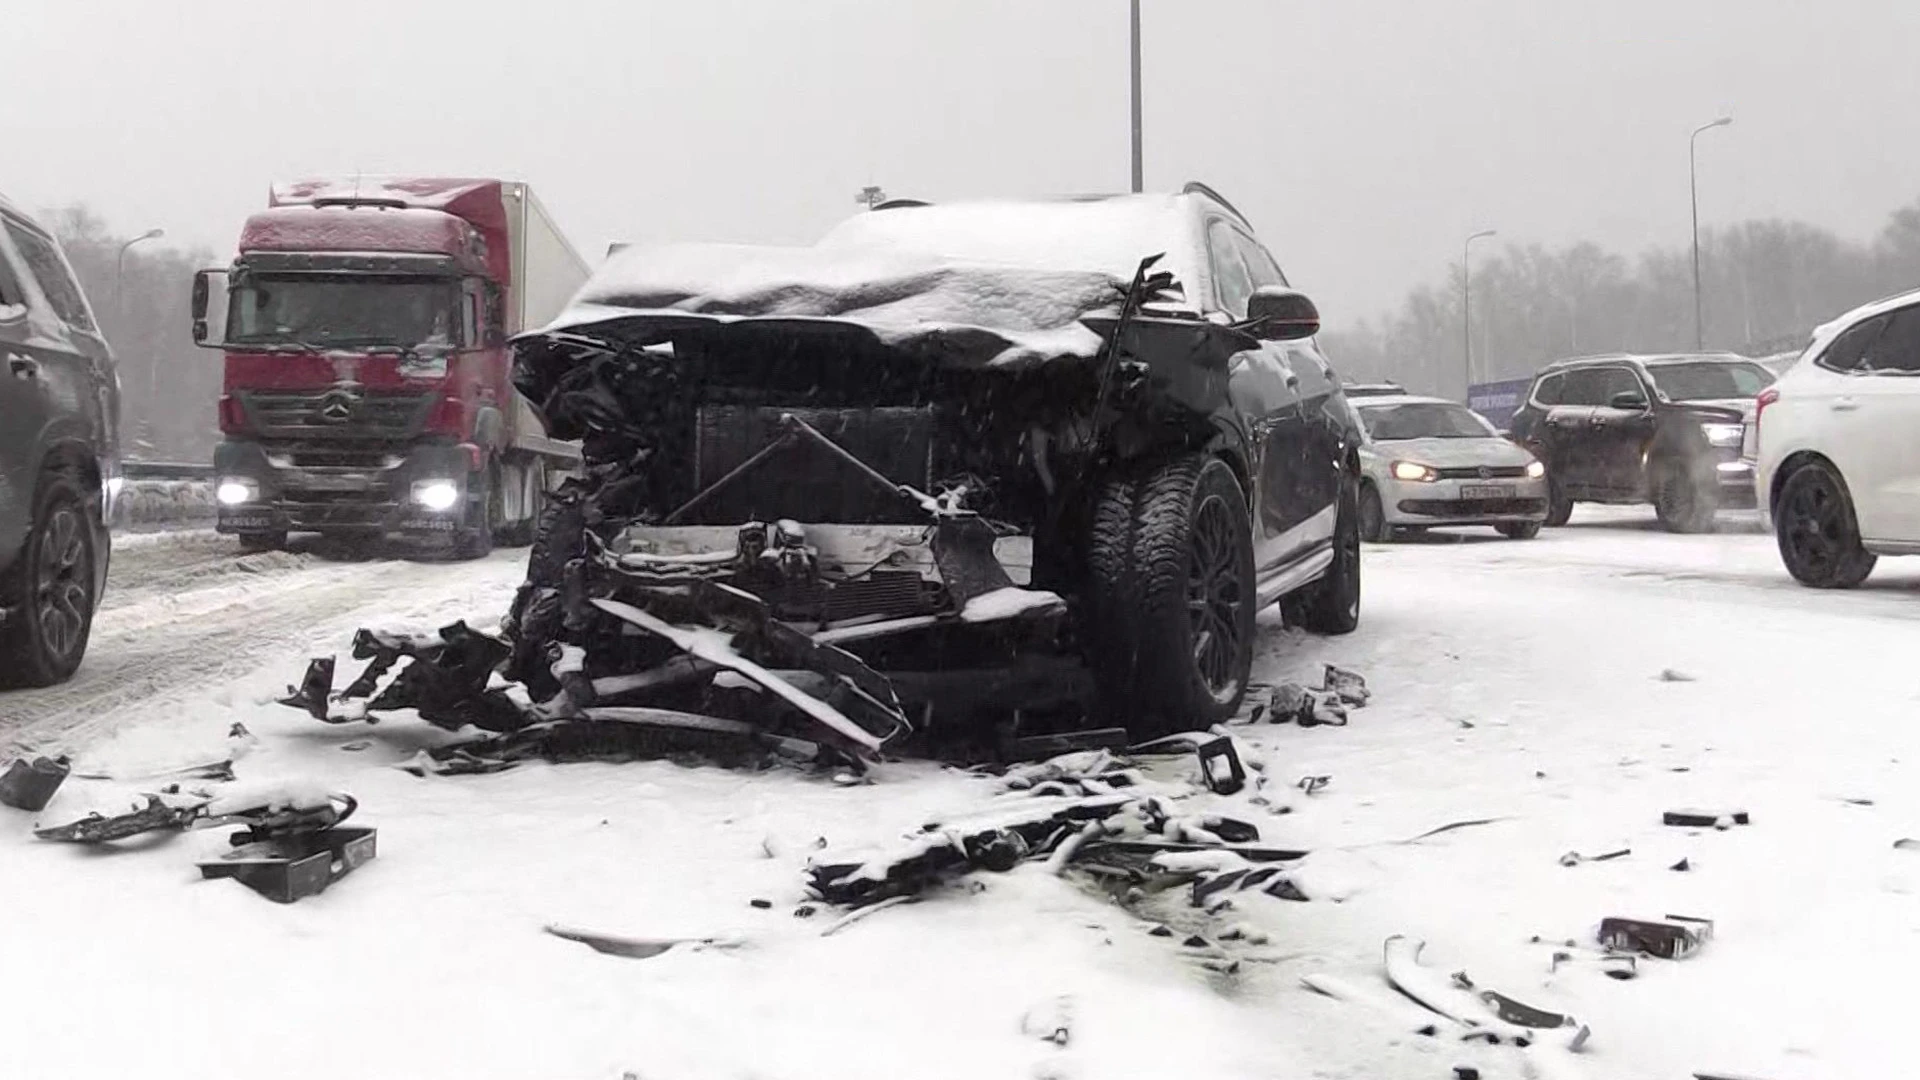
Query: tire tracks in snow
(191,623)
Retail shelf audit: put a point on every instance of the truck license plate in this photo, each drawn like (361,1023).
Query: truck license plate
(1486,491)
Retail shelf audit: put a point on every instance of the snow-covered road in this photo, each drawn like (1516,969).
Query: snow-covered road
(1520,681)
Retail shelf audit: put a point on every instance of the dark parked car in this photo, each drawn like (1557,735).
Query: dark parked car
(59,413)
(1665,430)
(1153,453)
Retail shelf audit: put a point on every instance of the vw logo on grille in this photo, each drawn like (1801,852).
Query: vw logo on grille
(1486,473)
(336,406)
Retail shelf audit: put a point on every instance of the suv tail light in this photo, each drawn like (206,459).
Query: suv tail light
(1767,397)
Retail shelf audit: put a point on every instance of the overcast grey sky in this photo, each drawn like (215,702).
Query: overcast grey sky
(1364,138)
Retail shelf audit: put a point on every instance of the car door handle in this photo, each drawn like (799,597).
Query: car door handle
(23,367)
(1843,404)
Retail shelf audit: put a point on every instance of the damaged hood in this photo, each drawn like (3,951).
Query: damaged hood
(967,313)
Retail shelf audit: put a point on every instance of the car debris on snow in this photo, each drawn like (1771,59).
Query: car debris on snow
(1449,999)
(1704,819)
(1677,937)
(29,784)
(635,948)
(288,865)
(1574,858)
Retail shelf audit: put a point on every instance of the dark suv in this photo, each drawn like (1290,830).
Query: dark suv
(1106,417)
(1637,429)
(59,415)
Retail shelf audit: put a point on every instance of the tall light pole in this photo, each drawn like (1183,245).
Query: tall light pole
(1693,195)
(120,264)
(120,316)
(1139,170)
(1466,302)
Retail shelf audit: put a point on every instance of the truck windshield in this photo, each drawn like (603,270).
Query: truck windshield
(342,310)
(1710,381)
(1423,420)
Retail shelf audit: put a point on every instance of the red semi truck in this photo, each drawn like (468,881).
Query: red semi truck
(368,388)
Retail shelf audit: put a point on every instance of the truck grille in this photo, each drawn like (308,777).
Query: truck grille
(336,413)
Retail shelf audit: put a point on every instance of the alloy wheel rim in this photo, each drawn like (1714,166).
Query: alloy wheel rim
(1814,526)
(61,585)
(1215,596)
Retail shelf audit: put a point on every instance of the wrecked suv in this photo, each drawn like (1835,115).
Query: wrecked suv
(1012,466)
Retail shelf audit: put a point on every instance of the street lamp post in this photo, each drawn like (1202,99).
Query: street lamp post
(120,316)
(1693,196)
(1466,302)
(1139,170)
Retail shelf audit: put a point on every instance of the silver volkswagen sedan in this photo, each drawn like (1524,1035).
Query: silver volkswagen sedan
(1428,461)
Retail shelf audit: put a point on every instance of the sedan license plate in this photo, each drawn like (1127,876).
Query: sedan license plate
(1486,491)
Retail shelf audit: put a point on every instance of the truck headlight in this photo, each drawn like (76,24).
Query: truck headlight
(234,492)
(1536,470)
(436,494)
(1724,435)
(1414,471)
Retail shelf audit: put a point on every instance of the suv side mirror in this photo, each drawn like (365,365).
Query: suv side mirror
(1628,399)
(1282,314)
(203,292)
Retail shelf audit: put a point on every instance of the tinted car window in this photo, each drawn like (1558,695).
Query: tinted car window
(1897,347)
(10,291)
(1230,277)
(1845,352)
(44,260)
(1708,381)
(1589,386)
(1550,390)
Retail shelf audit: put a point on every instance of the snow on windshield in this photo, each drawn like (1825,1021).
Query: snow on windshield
(1423,420)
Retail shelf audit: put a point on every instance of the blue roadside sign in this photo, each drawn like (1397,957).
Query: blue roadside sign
(1498,401)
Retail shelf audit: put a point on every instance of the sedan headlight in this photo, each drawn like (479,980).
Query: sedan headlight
(1414,471)
(1536,470)
(1724,435)
(234,492)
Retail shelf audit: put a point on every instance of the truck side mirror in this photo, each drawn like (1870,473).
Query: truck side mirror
(203,292)
(1282,314)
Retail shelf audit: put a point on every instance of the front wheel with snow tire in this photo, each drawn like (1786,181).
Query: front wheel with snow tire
(1559,506)
(49,592)
(1683,500)
(1169,596)
(1373,516)
(1332,604)
(1818,534)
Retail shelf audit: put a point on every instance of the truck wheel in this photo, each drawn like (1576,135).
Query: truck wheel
(254,543)
(1170,596)
(474,538)
(1818,534)
(532,480)
(1332,604)
(50,592)
(1682,500)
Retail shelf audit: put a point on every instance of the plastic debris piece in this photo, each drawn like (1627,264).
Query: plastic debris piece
(763,905)
(1678,937)
(288,868)
(1313,785)
(1348,686)
(1161,930)
(1683,865)
(1701,819)
(1220,766)
(29,785)
(1287,703)
(1195,941)
(1049,1021)
(1672,675)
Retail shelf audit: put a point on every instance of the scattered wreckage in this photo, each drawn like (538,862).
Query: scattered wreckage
(890,494)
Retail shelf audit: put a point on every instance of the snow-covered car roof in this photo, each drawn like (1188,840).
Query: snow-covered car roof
(986,284)
(1649,359)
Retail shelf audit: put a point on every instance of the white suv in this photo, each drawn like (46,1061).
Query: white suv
(1837,446)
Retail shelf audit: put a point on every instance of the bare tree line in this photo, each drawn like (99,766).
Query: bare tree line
(170,389)
(1765,286)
